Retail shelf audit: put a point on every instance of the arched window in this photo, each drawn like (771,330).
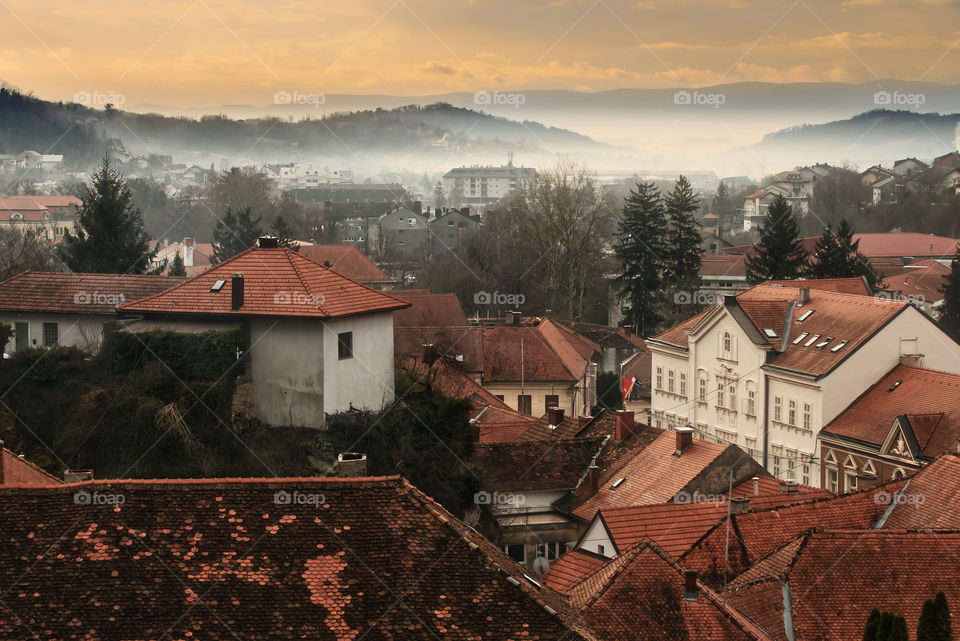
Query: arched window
(727,342)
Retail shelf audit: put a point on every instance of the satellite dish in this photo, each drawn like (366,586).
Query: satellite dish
(541,565)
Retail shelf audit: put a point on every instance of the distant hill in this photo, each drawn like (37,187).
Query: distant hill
(81,133)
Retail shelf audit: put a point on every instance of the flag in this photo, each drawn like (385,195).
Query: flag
(628,383)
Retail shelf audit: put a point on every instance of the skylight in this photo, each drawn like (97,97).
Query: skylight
(217,286)
(804,316)
(617,483)
(813,340)
(770,333)
(800,337)
(838,346)
(894,386)
(532,581)
(823,343)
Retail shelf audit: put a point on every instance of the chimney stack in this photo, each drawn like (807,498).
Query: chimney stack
(690,592)
(756,486)
(351,464)
(268,242)
(515,318)
(739,505)
(554,416)
(624,425)
(236,292)
(583,420)
(789,486)
(684,440)
(188,249)
(594,473)
(804,296)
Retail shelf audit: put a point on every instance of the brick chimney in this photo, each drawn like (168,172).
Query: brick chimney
(804,296)
(690,592)
(582,421)
(684,440)
(739,505)
(188,249)
(594,474)
(625,424)
(756,486)
(236,292)
(789,486)
(77,476)
(554,416)
(351,464)
(268,242)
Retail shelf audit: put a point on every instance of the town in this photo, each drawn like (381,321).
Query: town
(557,321)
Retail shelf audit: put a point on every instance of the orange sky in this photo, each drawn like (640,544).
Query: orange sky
(214,52)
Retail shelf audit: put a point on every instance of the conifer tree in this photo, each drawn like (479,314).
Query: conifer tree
(872,626)
(779,255)
(837,255)
(284,234)
(684,248)
(640,249)
(235,233)
(934,623)
(109,236)
(177,268)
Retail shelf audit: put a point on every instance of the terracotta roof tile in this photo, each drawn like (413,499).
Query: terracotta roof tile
(77,293)
(838,285)
(677,335)
(15,470)
(572,568)
(348,261)
(534,465)
(429,310)
(723,265)
(277,282)
(464,344)
(930,499)
(512,354)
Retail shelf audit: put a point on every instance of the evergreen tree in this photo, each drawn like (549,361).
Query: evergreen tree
(640,248)
(898,629)
(284,234)
(779,255)
(177,267)
(235,233)
(109,236)
(684,248)
(885,628)
(837,255)
(439,198)
(950,313)
(723,207)
(873,625)
(942,629)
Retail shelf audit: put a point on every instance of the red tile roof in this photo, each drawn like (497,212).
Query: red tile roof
(499,425)
(429,310)
(723,265)
(836,578)
(921,394)
(512,354)
(16,470)
(572,568)
(76,293)
(677,335)
(534,465)
(260,558)
(930,499)
(897,244)
(770,493)
(607,337)
(541,429)
(839,285)
(654,475)
(348,261)
(464,344)
(642,597)
(277,282)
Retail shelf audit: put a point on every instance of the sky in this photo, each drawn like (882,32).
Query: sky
(214,52)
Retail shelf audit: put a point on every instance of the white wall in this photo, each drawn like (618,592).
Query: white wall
(365,381)
(81,330)
(595,536)
(287,357)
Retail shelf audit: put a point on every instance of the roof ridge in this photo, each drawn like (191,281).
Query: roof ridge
(238,481)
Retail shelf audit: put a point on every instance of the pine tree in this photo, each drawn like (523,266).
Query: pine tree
(873,625)
(684,248)
(942,629)
(898,630)
(177,268)
(950,313)
(642,234)
(722,206)
(439,198)
(886,626)
(837,255)
(284,234)
(235,233)
(109,235)
(779,255)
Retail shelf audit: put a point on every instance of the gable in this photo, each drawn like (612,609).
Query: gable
(899,440)
(598,535)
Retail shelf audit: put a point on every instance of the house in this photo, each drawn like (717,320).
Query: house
(951,159)
(405,232)
(710,240)
(46,309)
(767,369)
(907,166)
(49,216)
(720,276)
(327,558)
(448,230)
(872,175)
(755,205)
(196,257)
(617,344)
(348,261)
(906,420)
(319,343)
(824,583)
(484,185)
(16,471)
(921,282)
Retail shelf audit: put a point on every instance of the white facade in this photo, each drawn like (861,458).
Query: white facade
(723,387)
(71,330)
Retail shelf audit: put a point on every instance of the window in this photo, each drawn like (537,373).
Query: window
(792,412)
(777,451)
(524,404)
(850,482)
(659,378)
(806,474)
(733,397)
(832,481)
(751,402)
(751,444)
(727,343)
(345,345)
(777,408)
(670,381)
(683,384)
(516,551)
(51,334)
(721,400)
(702,389)
(792,465)
(551,400)
(600,550)
(550,551)
(806,416)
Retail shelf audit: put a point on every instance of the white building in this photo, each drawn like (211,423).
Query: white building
(767,369)
(483,185)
